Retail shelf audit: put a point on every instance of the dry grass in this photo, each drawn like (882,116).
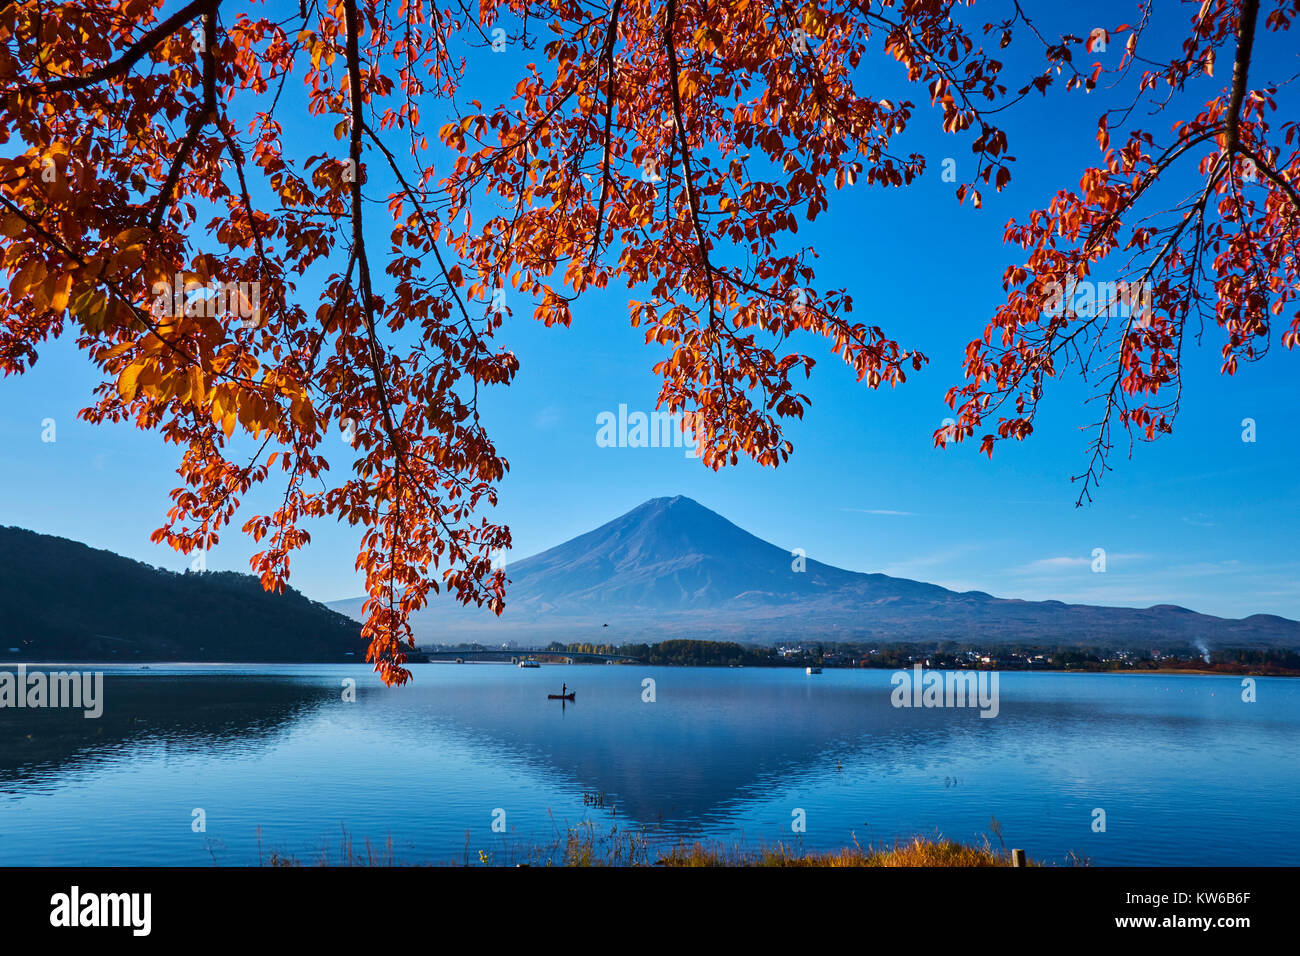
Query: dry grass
(918,852)
(584,846)
(348,854)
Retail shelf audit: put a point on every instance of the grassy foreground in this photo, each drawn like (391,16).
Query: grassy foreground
(582,846)
(917,853)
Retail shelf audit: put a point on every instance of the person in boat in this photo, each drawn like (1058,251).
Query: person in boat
(564,689)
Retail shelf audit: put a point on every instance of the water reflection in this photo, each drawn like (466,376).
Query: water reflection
(1186,771)
(212,715)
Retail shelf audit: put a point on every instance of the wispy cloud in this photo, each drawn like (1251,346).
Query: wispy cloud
(1068,562)
(1052,564)
(920,566)
(547,417)
(1227,588)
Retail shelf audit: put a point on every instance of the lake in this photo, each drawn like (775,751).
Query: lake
(1185,771)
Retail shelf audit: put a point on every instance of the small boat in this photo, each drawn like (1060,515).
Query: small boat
(560,696)
(812,670)
(529,663)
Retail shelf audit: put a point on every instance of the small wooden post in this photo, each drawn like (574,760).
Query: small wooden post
(1017,857)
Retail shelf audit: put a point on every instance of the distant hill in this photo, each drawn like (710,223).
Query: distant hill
(64,601)
(671,568)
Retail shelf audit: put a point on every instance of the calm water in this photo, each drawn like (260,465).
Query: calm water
(1186,772)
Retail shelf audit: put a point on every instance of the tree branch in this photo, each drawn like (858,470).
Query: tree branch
(1241,69)
(132,56)
(608,55)
(207,114)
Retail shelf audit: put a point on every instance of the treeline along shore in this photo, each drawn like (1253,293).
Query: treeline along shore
(944,656)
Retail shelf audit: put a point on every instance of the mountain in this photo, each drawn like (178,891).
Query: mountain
(672,568)
(64,601)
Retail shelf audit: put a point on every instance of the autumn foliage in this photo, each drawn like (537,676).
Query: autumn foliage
(249,300)
(1226,255)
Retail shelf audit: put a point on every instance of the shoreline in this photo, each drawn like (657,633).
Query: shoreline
(1131,672)
(581,847)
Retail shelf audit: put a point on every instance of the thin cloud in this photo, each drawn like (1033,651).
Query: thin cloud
(922,564)
(1068,562)
(1049,564)
(547,417)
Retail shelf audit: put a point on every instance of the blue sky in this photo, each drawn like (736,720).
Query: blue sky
(1200,518)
